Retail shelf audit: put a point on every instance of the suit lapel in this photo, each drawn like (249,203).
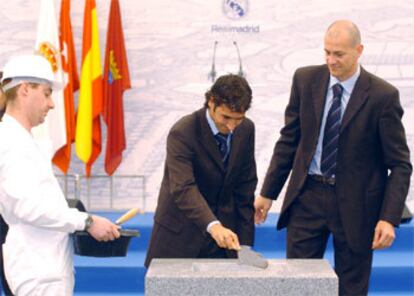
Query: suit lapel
(207,140)
(358,98)
(235,146)
(319,88)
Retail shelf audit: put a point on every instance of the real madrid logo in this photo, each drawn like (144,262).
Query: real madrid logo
(235,9)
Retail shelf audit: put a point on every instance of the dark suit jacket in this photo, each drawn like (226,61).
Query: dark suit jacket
(372,141)
(196,189)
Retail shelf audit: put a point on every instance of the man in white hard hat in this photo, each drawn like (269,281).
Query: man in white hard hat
(37,251)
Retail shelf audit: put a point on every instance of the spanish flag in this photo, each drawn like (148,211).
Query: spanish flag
(88,126)
(62,157)
(116,81)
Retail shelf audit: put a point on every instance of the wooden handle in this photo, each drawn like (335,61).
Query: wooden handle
(128,215)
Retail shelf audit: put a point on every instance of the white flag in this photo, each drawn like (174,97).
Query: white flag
(51,135)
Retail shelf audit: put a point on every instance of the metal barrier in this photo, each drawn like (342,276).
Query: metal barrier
(122,191)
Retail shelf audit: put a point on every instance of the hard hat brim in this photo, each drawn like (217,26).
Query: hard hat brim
(55,85)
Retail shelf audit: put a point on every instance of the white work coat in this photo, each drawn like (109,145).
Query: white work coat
(37,252)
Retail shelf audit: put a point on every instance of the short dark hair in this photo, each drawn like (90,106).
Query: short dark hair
(230,90)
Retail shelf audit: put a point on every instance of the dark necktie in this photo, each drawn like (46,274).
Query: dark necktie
(221,140)
(331,135)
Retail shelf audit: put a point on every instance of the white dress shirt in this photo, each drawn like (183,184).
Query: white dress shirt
(215,131)
(37,252)
(348,86)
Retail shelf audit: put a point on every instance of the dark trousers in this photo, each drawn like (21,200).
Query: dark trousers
(3,232)
(313,217)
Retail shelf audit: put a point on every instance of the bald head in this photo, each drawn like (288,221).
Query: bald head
(345,27)
(342,49)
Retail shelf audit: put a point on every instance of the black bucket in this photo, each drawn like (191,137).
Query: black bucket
(85,245)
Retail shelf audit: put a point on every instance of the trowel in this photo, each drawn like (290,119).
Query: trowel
(246,256)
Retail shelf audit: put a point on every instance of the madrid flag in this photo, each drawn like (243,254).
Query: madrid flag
(116,81)
(63,155)
(51,135)
(88,126)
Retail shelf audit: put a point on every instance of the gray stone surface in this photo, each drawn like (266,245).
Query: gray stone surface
(226,277)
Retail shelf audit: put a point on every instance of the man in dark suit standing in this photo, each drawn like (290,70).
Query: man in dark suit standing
(205,205)
(344,144)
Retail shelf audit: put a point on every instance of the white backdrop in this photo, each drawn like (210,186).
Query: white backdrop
(170,46)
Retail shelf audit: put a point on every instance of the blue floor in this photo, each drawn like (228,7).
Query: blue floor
(392,274)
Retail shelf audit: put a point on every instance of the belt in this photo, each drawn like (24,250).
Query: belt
(323,179)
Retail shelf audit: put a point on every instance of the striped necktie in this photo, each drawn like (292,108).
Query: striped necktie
(221,140)
(331,134)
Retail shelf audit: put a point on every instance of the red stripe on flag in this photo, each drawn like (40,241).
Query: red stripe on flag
(62,157)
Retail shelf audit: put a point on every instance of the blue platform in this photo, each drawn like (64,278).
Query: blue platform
(392,274)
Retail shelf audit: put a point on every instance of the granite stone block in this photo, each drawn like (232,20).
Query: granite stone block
(208,277)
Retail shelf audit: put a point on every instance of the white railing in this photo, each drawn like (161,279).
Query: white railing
(105,193)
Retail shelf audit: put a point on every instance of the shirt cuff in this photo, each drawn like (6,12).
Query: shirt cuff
(79,219)
(211,224)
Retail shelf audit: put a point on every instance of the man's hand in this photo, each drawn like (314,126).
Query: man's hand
(262,206)
(384,235)
(224,237)
(103,230)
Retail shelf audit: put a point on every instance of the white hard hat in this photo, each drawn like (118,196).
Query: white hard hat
(29,68)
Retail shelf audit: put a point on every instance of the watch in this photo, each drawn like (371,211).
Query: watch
(88,222)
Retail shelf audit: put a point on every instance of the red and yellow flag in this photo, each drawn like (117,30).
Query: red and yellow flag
(88,126)
(116,81)
(62,157)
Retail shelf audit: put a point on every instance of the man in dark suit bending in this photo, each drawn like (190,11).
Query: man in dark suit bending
(205,205)
(345,149)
